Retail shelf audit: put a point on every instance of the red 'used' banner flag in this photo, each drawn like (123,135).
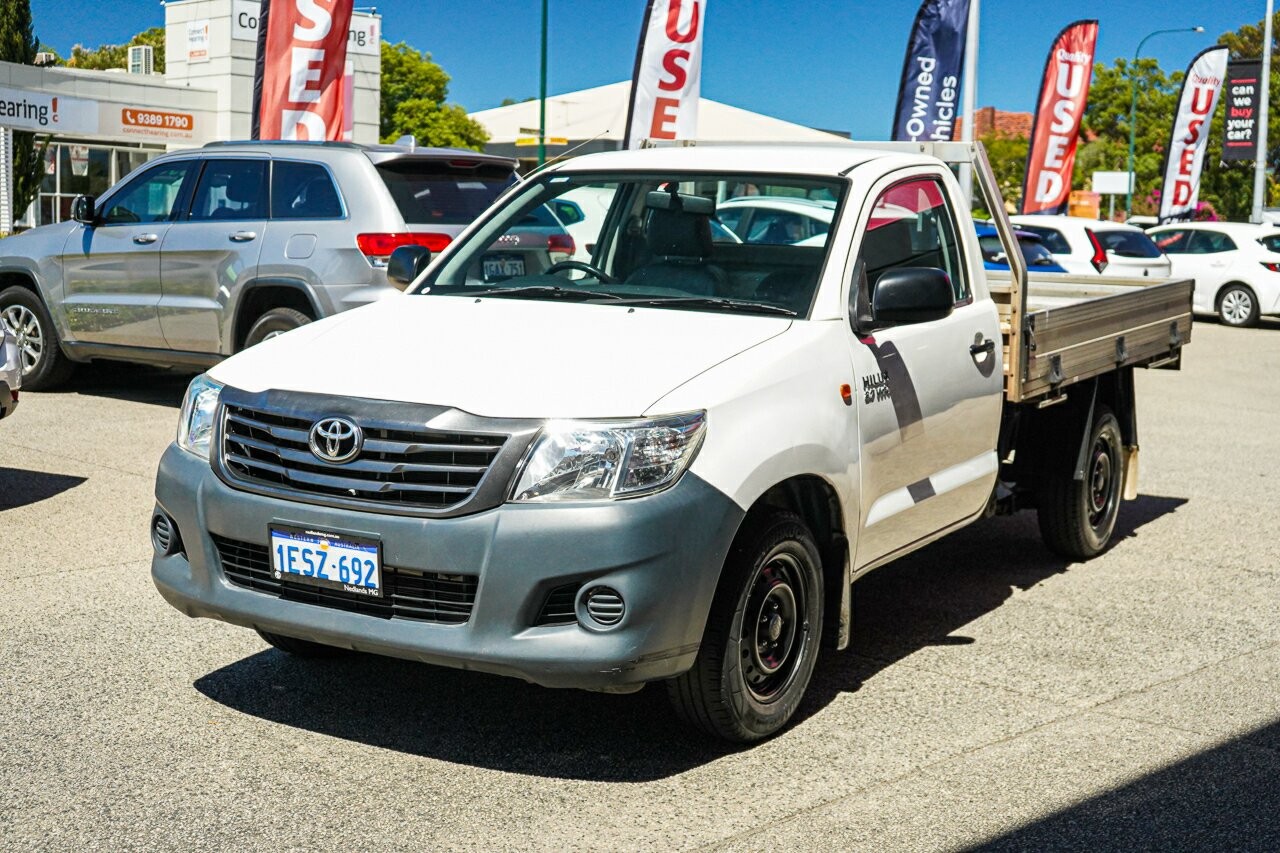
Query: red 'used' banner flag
(302,53)
(1051,157)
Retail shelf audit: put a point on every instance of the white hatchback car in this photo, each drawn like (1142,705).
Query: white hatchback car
(1095,247)
(1236,266)
(777,220)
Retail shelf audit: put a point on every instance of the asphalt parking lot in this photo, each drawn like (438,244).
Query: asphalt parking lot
(995,695)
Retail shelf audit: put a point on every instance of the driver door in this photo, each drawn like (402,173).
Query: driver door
(111,269)
(929,393)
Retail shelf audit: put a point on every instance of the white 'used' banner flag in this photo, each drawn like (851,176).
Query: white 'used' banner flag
(1190,137)
(668,76)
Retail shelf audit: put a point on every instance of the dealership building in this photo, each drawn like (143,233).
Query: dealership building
(103,124)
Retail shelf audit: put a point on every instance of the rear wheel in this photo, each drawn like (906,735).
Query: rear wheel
(43,364)
(273,323)
(1077,517)
(1238,306)
(300,648)
(762,635)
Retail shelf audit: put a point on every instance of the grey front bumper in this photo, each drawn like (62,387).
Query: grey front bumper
(663,553)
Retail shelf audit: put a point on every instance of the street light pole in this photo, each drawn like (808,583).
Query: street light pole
(1133,108)
(1260,156)
(542,93)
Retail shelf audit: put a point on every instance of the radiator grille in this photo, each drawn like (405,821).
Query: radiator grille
(418,469)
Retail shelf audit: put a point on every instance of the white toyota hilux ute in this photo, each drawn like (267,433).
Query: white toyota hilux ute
(669,462)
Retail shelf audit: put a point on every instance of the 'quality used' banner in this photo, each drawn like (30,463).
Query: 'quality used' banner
(1051,157)
(930,85)
(1185,156)
(667,81)
(302,52)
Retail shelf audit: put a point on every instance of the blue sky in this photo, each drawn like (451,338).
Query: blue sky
(824,63)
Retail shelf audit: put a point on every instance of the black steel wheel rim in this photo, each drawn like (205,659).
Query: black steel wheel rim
(774,625)
(1103,477)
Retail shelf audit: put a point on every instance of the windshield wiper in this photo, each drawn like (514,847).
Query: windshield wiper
(711,302)
(549,290)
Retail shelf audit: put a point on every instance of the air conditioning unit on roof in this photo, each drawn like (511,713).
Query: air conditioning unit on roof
(141,59)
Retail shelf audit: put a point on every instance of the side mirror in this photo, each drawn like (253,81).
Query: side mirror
(406,264)
(83,210)
(912,295)
(568,212)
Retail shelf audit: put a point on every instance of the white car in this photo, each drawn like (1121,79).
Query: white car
(1236,267)
(10,371)
(1089,246)
(777,220)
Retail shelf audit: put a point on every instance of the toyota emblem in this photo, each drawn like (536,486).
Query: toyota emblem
(336,440)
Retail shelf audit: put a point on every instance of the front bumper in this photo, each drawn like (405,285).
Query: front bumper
(663,553)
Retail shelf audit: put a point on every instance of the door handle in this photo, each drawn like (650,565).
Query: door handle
(243,236)
(143,239)
(979,347)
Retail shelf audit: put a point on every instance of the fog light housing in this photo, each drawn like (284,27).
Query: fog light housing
(604,606)
(164,535)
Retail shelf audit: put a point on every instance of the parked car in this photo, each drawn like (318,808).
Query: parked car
(201,253)
(1236,266)
(10,369)
(776,220)
(1038,258)
(671,463)
(1092,247)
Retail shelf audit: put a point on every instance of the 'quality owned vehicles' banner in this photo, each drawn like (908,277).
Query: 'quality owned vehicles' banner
(1051,157)
(1191,133)
(302,53)
(930,89)
(667,81)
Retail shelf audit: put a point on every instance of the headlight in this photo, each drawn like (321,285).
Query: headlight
(195,425)
(592,461)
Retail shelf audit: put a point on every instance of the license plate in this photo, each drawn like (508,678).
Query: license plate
(333,560)
(497,267)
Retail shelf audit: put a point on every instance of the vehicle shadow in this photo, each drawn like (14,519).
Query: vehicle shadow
(499,723)
(924,598)
(135,383)
(20,487)
(1221,798)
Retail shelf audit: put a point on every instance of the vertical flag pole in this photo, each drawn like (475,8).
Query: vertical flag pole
(969,93)
(1260,156)
(542,93)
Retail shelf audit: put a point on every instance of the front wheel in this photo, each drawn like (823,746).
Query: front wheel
(24,315)
(1238,306)
(1077,517)
(762,635)
(273,323)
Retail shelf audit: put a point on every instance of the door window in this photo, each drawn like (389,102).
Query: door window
(303,191)
(1051,237)
(777,228)
(148,198)
(1210,243)
(1175,242)
(912,226)
(231,189)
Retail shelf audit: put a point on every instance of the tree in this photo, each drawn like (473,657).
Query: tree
(414,90)
(117,55)
(1008,157)
(18,43)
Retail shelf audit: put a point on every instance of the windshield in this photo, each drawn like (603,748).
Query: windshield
(433,192)
(653,240)
(1128,244)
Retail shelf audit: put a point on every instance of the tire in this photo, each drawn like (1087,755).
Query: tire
(300,648)
(1238,306)
(1077,517)
(762,635)
(43,364)
(277,321)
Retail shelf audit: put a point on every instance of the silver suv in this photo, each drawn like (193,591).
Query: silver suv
(201,253)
